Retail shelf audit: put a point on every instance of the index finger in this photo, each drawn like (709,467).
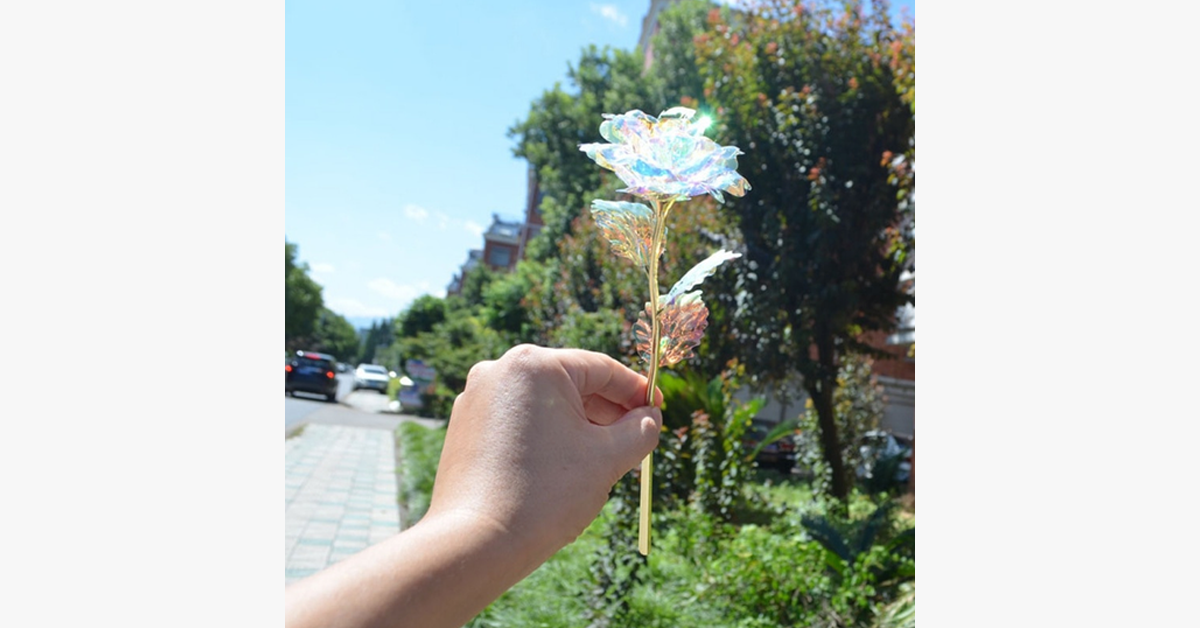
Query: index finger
(598,374)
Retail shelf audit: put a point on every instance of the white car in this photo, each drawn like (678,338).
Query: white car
(371,376)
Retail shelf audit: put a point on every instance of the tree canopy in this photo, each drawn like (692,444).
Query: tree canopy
(302,300)
(819,97)
(308,324)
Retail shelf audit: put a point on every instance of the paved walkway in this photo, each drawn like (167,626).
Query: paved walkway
(340,492)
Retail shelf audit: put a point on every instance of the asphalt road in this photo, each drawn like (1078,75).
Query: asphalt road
(363,408)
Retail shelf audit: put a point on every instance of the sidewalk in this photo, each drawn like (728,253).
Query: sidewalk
(340,487)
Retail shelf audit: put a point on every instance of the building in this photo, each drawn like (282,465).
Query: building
(533,213)
(505,241)
(649,29)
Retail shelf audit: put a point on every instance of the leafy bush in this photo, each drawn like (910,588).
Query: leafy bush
(858,407)
(703,458)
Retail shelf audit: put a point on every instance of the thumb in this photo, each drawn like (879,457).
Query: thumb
(634,436)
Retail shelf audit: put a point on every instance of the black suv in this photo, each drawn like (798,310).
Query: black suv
(312,373)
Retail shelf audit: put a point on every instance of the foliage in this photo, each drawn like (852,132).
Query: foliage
(302,301)
(572,283)
(674,75)
(705,572)
(858,408)
(377,337)
(335,335)
(594,331)
(816,97)
(703,458)
(558,122)
(450,335)
(616,567)
(549,596)
(422,315)
(504,306)
(902,612)
(452,348)
(420,451)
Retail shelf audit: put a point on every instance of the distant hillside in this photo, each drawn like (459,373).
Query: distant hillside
(363,322)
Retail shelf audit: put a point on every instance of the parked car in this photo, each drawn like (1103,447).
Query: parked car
(311,372)
(882,450)
(779,455)
(371,376)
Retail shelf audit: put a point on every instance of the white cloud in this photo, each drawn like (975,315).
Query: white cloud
(611,13)
(322,268)
(353,307)
(416,212)
(439,219)
(385,236)
(473,227)
(398,292)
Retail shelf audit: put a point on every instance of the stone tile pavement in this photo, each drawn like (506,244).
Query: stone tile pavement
(340,487)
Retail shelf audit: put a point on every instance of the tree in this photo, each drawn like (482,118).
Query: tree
(607,81)
(575,292)
(821,101)
(334,335)
(377,336)
(302,301)
(422,315)
(452,346)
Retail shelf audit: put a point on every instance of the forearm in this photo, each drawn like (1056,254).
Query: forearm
(441,572)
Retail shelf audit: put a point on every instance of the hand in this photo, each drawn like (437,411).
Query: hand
(537,440)
(534,445)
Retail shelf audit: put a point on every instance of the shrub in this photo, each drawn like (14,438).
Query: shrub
(858,407)
(703,460)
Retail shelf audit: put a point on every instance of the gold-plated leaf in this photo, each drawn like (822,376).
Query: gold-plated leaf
(683,321)
(629,227)
(701,271)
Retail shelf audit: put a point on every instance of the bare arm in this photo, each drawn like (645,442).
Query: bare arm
(534,445)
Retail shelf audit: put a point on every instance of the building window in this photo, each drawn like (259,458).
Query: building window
(499,257)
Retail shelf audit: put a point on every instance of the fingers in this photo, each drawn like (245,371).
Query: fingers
(634,436)
(597,374)
(478,371)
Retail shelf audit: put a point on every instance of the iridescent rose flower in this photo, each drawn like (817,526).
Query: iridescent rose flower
(667,157)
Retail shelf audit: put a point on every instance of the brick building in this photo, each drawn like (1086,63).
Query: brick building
(504,241)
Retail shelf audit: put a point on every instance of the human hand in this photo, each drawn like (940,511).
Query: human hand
(536,441)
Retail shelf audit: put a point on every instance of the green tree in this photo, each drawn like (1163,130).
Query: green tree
(505,309)
(821,101)
(379,335)
(302,301)
(577,293)
(604,80)
(452,347)
(335,335)
(422,315)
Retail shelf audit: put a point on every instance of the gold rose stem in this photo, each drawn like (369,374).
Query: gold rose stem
(647,474)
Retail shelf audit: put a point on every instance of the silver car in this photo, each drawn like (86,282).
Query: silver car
(371,376)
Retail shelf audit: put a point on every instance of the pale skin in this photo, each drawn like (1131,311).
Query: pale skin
(534,445)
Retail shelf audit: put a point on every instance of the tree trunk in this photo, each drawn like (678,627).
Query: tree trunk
(821,391)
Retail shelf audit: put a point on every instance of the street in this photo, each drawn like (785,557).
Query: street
(363,408)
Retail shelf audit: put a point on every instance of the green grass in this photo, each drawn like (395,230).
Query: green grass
(550,596)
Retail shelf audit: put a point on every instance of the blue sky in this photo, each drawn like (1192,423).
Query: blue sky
(396,118)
